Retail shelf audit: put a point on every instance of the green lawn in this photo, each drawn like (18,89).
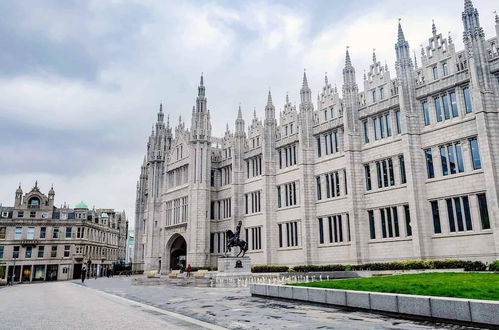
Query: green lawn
(459,285)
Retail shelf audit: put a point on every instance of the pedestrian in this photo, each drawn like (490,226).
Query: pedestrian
(95,274)
(188,269)
(83,275)
(108,273)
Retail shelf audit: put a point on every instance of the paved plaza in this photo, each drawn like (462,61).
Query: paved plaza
(118,303)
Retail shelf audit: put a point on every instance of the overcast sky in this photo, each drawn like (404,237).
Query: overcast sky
(81,81)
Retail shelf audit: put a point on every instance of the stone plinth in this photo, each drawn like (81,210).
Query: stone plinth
(234,267)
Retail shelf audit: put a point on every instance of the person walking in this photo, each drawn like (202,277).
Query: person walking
(83,275)
(188,269)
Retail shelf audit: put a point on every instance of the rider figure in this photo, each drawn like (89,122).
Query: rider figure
(235,239)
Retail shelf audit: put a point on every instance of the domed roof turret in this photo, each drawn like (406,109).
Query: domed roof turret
(81,206)
(104,215)
(19,190)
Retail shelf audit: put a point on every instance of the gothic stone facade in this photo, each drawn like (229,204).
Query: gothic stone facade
(39,241)
(408,168)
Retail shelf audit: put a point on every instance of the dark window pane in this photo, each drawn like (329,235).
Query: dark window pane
(436,217)
(450,212)
(484,212)
(371,224)
(467,213)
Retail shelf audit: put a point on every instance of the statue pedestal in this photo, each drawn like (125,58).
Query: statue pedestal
(234,267)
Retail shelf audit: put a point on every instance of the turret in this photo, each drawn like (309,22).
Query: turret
(19,196)
(474,42)
(305,93)
(201,125)
(350,95)
(239,123)
(51,195)
(269,111)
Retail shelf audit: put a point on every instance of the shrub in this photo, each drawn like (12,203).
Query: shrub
(476,266)
(269,269)
(209,268)
(494,266)
(319,268)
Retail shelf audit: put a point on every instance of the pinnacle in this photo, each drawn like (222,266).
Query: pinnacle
(161,107)
(401,37)
(239,113)
(201,83)
(305,81)
(348,62)
(374,55)
(433,27)
(325,78)
(269,99)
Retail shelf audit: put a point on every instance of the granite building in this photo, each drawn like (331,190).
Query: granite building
(39,241)
(405,167)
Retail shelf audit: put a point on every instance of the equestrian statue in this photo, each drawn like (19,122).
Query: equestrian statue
(234,240)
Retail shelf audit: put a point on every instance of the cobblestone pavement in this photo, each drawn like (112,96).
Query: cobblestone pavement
(235,308)
(64,305)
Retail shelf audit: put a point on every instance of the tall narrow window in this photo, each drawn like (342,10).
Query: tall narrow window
(467,213)
(426,113)
(434,70)
(438,108)
(450,213)
(484,212)
(429,164)
(367,171)
(378,172)
(391,172)
(321,231)
(459,157)
(436,217)
(475,154)
(318,183)
(397,118)
(453,104)
(388,119)
(366,132)
(459,214)
(396,221)
(407,220)
(383,222)
(318,141)
(403,177)
(445,69)
(375,125)
(280,235)
(467,100)
(371,224)
(445,101)
(373,93)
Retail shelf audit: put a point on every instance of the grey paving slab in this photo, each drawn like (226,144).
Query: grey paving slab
(235,308)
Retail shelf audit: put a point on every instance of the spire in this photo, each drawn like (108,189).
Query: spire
(415,60)
(402,48)
(471,21)
(401,37)
(254,113)
(287,98)
(239,113)
(269,110)
(161,115)
(433,27)
(449,38)
(348,62)
(348,70)
(269,100)
(168,120)
(374,55)
(325,78)
(201,88)
(305,81)
(497,17)
(227,127)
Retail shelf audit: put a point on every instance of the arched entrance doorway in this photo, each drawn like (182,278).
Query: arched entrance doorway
(178,253)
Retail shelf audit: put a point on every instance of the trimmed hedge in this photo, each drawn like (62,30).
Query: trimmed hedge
(400,265)
(319,268)
(269,269)
(209,268)
(494,266)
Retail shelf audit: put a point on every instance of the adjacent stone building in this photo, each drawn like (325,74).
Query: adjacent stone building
(39,241)
(406,168)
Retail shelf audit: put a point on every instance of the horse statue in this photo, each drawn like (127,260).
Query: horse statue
(234,240)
